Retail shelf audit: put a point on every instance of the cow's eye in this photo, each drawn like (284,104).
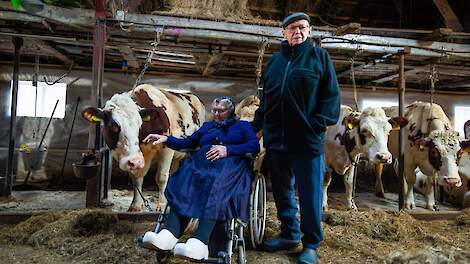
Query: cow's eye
(115,128)
(434,152)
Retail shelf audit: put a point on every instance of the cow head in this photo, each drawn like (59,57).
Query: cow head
(442,148)
(121,120)
(370,131)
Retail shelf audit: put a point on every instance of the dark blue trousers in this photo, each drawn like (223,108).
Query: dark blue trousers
(307,174)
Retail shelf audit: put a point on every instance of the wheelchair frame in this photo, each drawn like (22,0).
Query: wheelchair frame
(235,228)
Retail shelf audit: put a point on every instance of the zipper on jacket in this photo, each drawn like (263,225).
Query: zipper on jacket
(282,104)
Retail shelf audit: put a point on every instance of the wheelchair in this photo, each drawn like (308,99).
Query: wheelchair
(231,232)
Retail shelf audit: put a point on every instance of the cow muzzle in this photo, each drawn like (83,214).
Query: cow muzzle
(385,158)
(449,182)
(133,164)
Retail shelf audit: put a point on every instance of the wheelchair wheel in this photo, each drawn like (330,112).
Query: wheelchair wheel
(257,220)
(241,257)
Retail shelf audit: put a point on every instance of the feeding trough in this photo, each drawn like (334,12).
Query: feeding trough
(88,167)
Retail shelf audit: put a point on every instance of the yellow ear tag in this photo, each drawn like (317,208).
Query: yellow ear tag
(146,118)
(95,118)
(350,125)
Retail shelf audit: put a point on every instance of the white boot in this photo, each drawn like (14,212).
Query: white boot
(193,249)
(164,240)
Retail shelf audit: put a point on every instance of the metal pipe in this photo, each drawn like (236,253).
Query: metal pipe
(68,142)
(401,145)
(7,180)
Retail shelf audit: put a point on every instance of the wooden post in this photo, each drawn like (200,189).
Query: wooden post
(94,185)
(401,108)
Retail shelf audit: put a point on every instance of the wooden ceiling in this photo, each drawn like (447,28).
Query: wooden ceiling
(360,35)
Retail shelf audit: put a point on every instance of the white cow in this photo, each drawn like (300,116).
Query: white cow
(432,146)
(456,195)
(128,118)
(357,134)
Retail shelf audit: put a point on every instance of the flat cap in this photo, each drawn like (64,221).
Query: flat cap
(294,17)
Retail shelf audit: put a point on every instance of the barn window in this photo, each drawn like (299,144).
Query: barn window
(42,103)
(461,115)
(377,103)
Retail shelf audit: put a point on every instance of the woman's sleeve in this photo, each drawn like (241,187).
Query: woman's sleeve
(250,144)
(190,142)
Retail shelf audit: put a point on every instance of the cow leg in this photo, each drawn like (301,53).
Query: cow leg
(137,201)
(410,178)
(429,193)
(163,173)
(379,188)
(348,184)
(326,183)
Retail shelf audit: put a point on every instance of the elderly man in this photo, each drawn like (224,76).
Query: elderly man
(300,99)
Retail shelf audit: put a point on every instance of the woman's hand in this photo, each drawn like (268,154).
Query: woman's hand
(216,152)
(155,139)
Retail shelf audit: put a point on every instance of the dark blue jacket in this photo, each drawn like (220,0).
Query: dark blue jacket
(238,136)
(300,99)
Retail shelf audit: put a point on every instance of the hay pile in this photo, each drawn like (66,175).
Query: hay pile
(371,236)
(217,9)
(84,236)
(376,236)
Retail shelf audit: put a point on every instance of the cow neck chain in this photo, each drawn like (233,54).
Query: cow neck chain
(354,159)
(146,202)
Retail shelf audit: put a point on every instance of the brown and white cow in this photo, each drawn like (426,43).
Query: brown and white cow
(460,195)
(432,147)
(128,118)
(357,134)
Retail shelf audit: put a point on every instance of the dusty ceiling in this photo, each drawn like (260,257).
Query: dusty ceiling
(229,50)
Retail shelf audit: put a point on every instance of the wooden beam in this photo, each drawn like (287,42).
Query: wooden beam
(225,32)
(347,29)
(46,47)
(448,15)
(439,34)
(396,75)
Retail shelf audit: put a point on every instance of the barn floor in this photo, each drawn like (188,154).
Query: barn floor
(365,236)
(21,201)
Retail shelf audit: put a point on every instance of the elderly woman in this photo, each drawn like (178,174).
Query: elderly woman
(212,185)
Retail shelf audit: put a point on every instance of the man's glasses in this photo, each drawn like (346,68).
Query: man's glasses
(293,29)
(219,111)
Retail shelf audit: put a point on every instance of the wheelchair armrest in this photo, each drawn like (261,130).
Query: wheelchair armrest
(188,150)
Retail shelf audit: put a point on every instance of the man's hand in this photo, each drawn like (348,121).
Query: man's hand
(216,152)
(155,139)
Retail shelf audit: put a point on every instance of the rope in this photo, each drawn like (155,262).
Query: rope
(154,45)
(259,63)
(353,79)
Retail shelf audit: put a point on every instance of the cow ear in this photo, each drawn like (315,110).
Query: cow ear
(93,114)
(465,145)
(350,122)
(422,142)
(398,122)
(148,114)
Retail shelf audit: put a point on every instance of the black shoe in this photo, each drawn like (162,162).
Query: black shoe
(308,256)
(279,243)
